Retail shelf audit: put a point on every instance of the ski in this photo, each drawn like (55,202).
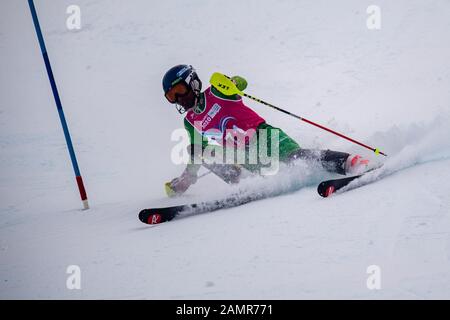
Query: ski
(159,215)
(154,216)
(328,187)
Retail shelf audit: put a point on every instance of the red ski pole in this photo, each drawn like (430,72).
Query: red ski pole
(376,150)
(225,85)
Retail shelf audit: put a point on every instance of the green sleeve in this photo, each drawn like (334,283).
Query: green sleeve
(191,167)
(194,135)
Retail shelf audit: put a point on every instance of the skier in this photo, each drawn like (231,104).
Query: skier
(210,109)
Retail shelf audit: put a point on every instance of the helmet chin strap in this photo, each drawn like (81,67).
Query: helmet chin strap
(197,98)
(196,87)
(180,108)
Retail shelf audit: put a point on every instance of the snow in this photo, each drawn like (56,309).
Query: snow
(388,88)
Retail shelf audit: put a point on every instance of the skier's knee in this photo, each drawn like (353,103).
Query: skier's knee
(334,161)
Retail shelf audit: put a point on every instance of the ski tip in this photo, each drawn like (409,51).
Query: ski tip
(329,191)
(149,217)
(159,215)
(325,190)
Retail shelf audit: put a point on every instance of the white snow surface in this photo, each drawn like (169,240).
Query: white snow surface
(389,88)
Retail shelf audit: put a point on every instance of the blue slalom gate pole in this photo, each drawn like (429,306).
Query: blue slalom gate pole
(73,158)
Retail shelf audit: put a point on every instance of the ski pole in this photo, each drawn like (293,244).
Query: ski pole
(226,86)
(204,174)
(62,118)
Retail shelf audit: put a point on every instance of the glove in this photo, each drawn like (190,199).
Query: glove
(240,82)
(179,185)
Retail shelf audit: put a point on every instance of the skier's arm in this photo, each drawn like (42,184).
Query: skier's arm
(189,176)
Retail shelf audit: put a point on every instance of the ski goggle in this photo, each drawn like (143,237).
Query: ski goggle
(178,90)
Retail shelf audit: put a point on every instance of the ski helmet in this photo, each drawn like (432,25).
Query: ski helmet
(182,72)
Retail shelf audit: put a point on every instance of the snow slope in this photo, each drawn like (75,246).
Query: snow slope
(388,88)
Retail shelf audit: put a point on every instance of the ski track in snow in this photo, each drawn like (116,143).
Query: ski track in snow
(387,88)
